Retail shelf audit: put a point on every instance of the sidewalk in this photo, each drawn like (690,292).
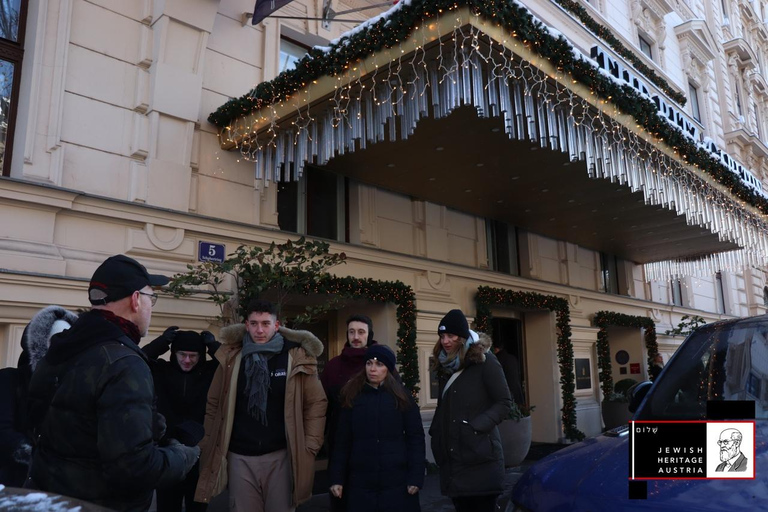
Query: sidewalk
(430,497)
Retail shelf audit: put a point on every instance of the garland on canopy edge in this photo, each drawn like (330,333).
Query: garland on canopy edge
(389,31)
(395,292)
(488,296)
(603,319)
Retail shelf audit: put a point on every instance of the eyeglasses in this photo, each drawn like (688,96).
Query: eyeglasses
(726,442)
(152,297)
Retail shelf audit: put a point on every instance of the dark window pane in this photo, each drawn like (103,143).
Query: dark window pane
(10,11)
(287,205)
(609,273)
(6,86)
(322,201)
(502,247)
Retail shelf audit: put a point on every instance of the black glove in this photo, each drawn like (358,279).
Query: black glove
(168,335)
(208,339)
(190,454)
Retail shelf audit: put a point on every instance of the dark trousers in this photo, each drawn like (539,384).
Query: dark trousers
(475,503)
(169,499)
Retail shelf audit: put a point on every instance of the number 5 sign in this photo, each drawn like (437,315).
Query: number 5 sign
(206,251)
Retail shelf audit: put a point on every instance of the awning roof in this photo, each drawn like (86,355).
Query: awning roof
(522,141)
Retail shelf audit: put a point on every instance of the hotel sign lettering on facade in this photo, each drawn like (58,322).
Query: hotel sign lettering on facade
(674,114)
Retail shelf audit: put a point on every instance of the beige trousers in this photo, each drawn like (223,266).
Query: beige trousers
(260,483)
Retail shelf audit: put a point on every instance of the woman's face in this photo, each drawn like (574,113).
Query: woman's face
(376,371)
(449,342)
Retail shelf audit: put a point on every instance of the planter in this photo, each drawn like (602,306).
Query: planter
(515,440)
(616,414)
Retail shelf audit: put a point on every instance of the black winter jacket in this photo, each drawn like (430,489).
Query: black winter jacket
(92,400)
(378,452)
(465,438)
(15,443)
(181,396)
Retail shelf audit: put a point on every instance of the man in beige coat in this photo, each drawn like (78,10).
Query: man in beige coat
(265,415)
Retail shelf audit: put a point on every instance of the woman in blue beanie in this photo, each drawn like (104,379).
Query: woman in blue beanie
(378,456)
(474,398)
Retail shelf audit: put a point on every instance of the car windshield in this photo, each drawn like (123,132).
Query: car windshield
(725,361)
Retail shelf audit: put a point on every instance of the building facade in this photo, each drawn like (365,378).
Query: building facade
(108,148)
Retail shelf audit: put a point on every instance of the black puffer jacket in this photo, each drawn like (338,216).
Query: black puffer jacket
(378,453)
(15,445)
(181,396)
(465,437)
(91,399)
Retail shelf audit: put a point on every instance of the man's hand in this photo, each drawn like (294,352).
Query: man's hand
(336,490)
(168,335)
(191,454)
(412,489)
(208,339)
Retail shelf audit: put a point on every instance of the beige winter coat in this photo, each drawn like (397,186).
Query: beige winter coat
(305,405)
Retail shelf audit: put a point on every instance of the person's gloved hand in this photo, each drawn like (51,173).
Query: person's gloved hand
(190,454)
(168,335)
(208,339)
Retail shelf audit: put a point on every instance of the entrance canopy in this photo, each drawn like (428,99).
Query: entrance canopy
(458,106)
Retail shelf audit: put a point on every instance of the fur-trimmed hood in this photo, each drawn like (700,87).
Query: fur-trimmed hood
(476,351)
(233,335)
(36,338)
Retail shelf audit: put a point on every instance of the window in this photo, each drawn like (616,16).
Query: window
(716,362)
(315,205)
(645,47)
(720,293)
(609,273)
(290,53)
(677,292)
(693,92)
(758,121)
(765,296)
(737,97)
(502,247)
(13,15)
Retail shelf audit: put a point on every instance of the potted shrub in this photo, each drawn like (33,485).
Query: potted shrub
(616,405)
(515,434)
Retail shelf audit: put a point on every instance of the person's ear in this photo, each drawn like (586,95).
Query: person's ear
(135,298)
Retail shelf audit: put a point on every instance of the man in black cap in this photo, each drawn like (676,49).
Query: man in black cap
(91,400)
(182,386)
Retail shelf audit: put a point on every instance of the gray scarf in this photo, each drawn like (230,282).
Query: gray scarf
(451,363)
(256,356)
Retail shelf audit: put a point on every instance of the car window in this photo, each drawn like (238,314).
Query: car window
(717,362)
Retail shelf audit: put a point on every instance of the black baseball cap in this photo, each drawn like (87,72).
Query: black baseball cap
(118,277)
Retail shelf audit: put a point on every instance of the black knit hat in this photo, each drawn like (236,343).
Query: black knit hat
(118,277)
(383,354)
(188,341)
(454,322)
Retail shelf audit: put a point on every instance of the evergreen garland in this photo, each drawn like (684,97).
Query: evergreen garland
(488,296)
(389,31)
(603,319)
(395,292)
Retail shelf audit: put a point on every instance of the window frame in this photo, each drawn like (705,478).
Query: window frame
(291,41)
(13,52)
(693,92)
(643,39)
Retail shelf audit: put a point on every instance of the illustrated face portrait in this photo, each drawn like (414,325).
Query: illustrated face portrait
(261,326)
(357,334)
(730,444)
(187,359)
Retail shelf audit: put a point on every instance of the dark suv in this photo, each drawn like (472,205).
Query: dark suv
(722,361)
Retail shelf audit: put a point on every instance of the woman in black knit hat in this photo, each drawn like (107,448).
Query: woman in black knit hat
(474,398)
(378,455)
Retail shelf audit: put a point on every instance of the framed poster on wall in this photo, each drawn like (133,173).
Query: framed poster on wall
(583,373)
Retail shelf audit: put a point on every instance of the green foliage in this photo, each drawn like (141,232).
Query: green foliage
(688,323)
(518,412)
(488,296)
(621,391)
(603,319)
(286,270)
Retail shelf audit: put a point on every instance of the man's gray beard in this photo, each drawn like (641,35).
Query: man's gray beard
(726,454)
